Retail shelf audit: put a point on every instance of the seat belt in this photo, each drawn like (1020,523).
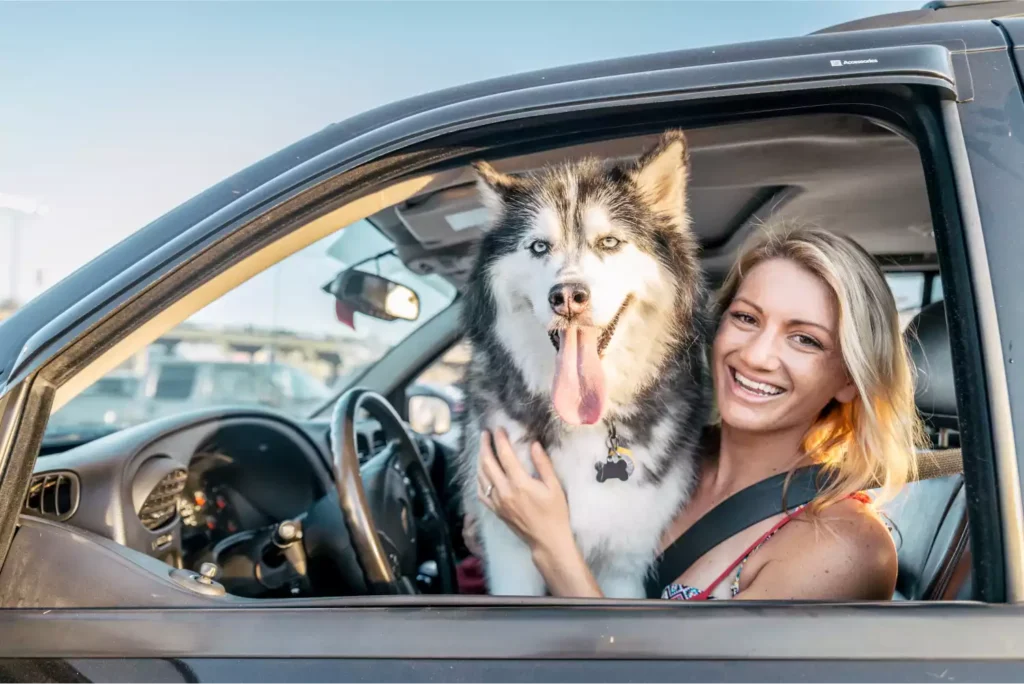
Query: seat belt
(746,507)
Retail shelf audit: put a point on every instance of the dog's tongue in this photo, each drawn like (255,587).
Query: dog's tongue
(578,393)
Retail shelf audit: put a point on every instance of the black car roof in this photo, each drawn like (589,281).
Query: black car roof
(940,11)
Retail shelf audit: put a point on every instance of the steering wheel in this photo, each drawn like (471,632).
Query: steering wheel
(386,547)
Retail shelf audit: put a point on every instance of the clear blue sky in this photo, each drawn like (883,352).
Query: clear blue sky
(114,113)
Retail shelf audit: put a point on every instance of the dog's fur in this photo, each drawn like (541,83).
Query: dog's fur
(654,364)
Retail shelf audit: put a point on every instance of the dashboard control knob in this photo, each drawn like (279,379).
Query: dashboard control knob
(287,531)
(203,584)
(207,572)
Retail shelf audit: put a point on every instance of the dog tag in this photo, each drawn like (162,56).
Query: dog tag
(618,465)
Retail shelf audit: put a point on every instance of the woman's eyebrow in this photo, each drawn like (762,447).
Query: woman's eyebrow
(797,321)
(794,321)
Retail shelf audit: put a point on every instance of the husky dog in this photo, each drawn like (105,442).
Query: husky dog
(584,313)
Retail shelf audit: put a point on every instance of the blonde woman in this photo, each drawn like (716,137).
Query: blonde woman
(809,368)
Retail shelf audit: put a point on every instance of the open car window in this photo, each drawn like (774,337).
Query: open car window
(277,341)
(302,331)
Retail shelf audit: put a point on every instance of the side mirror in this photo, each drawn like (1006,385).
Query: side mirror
(429,415)
(375,296)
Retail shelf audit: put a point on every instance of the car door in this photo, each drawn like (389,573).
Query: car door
(952,86)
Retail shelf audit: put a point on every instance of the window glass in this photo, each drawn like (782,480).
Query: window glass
(305,387)
(237,383)
(936,289)
(908,289)
(175,381)
(121,387)
(436,400)
(278,340)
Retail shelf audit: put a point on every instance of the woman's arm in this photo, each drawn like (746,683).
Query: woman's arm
(535,508)
(848,555)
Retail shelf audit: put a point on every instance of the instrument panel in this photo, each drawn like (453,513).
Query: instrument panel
(207,516)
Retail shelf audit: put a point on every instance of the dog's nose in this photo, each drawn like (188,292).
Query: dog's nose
(569,299)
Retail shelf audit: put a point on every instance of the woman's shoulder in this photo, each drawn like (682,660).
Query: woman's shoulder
(855,524)
(843,552)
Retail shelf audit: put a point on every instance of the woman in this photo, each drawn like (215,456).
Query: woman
(809,367)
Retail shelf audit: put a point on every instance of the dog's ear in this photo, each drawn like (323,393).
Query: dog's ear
(661,175)
(494,187)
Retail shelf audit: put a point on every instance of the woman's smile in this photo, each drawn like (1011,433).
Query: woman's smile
(751,389)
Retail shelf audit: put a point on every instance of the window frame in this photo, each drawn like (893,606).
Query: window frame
(795,102)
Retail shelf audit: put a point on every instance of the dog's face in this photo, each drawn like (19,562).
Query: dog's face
(596,258)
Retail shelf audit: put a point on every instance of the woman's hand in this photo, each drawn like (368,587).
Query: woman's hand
(536,509)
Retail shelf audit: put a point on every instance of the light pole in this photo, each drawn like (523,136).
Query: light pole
(16,208)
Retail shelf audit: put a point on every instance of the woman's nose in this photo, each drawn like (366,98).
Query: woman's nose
(759,351)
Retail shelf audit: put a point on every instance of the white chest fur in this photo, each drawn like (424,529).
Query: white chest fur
(617,524)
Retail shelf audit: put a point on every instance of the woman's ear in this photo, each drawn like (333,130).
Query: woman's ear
(847,394)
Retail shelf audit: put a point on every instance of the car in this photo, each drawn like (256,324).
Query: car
(234,541)
(173,385)
(110,402)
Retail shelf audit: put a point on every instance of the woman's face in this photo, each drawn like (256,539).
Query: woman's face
(776,355)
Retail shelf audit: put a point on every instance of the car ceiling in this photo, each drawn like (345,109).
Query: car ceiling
(847,173)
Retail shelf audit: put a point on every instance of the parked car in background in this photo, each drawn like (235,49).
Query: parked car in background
(111,403)
(175,385)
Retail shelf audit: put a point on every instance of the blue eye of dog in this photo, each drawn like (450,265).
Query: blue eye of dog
(610,242)
(539,247)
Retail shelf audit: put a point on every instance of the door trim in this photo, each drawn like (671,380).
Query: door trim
(526,629)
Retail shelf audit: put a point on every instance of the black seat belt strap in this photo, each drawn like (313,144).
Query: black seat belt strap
(746,507)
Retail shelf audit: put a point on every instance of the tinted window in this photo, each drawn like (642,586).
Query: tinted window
(175,382)
(306,388)
(238,383)
(936,289)
(912,290)
(112,387)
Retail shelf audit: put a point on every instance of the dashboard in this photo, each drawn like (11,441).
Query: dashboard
(175,487)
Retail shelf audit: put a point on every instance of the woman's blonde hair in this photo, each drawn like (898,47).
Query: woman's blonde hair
(871,441)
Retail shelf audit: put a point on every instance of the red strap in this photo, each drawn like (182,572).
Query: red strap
(703,596)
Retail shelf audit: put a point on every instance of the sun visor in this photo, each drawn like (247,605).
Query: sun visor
(444,218)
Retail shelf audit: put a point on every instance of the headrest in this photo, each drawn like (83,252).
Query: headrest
(928,339)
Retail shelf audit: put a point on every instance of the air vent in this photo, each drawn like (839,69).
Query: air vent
(379,441)
(161,505)
(53,495)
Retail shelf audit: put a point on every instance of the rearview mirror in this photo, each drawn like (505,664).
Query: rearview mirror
(375,296)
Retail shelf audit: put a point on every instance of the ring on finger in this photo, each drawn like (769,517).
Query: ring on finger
(487,492)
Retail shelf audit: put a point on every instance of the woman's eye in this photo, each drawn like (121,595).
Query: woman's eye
(539,247)
(743,318)
(610,242)
(808,341)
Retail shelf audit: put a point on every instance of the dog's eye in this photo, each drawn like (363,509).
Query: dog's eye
(539,247)
(610,242)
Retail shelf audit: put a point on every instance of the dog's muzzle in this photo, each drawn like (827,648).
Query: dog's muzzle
(606,334)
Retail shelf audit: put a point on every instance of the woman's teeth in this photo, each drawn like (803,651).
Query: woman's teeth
(762,388)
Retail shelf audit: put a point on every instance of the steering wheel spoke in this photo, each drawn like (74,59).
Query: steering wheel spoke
(387,452)
(406,506)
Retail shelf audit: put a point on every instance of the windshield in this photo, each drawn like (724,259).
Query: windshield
(280,340)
